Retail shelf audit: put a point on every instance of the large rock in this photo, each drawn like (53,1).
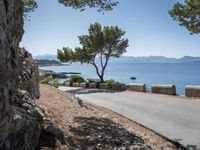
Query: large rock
(11,31)
(27,118)
(21,119)
(29,74)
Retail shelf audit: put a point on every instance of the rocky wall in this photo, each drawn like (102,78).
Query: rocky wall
(20,118)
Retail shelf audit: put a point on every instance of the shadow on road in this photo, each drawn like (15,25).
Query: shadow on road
(192,147)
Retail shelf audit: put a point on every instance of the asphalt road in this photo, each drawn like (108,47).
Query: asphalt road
(176,118)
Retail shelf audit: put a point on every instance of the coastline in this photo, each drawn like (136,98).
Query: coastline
(149,74)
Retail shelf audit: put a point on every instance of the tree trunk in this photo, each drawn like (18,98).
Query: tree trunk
(101,79)
(101,76)
(97,71)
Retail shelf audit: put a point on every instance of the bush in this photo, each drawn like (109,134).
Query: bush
(111,81)
(45,79)
(54,83)
(76,78)
(93,80)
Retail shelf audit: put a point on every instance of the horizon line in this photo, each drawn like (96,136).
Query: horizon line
(134,56)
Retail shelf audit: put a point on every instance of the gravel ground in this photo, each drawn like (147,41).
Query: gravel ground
(88,127)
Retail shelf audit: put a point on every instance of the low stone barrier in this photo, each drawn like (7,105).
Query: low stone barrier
(83,85)
(67,84)
(92,85)
(76,84)
(103,86)
(164,89)
(118,86)
(136,87)
(192,91)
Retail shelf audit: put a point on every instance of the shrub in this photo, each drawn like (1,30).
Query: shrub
(45,79)
(54,83)
(76,78)
(93,80)
(111,81)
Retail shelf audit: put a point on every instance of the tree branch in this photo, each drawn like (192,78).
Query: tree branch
(101,58)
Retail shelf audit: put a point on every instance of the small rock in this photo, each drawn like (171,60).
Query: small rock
(50,127)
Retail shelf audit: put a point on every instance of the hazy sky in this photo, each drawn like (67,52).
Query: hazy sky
(148,27)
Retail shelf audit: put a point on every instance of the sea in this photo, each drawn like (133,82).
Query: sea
(179,74)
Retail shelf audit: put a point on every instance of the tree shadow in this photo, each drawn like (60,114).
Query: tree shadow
(192,147)
(51,136)
(102,133)
(47,140)
(178,145)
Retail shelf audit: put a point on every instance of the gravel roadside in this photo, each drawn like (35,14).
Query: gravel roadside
(89,127)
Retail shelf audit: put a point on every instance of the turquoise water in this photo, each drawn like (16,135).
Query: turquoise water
(179,74)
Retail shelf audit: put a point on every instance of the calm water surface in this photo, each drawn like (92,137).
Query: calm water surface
(148,73)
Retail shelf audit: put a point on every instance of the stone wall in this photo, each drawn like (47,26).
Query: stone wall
(136,87)
(192,91)
(163,89)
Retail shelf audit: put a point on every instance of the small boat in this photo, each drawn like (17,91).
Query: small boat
(133,78)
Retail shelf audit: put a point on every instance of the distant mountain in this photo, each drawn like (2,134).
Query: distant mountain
(186,59)
(150,59)
(144,59)
(46,62)
(160,59)
(46,57)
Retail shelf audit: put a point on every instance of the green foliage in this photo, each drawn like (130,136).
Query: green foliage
(29,6)
(101,43)
(65,55)
(101,5)
(111,81)
(45,79)
(48,79)
(188,15)
(93,80)
(54,83)
(76,78)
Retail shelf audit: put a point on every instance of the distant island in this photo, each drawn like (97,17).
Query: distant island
(145,59)
(46,57)
(46,62)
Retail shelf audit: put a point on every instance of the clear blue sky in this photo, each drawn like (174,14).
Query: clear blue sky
(149,28)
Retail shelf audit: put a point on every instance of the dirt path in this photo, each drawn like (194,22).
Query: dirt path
(93,127)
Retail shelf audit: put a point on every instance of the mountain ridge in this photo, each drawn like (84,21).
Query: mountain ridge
(138,59)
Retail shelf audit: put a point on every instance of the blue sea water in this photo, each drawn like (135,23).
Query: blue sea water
(180,74)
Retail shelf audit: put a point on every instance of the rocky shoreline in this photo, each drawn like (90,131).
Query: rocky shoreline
(59,75)
(46,63)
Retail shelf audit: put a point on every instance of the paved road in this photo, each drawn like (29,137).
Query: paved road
(174,117)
